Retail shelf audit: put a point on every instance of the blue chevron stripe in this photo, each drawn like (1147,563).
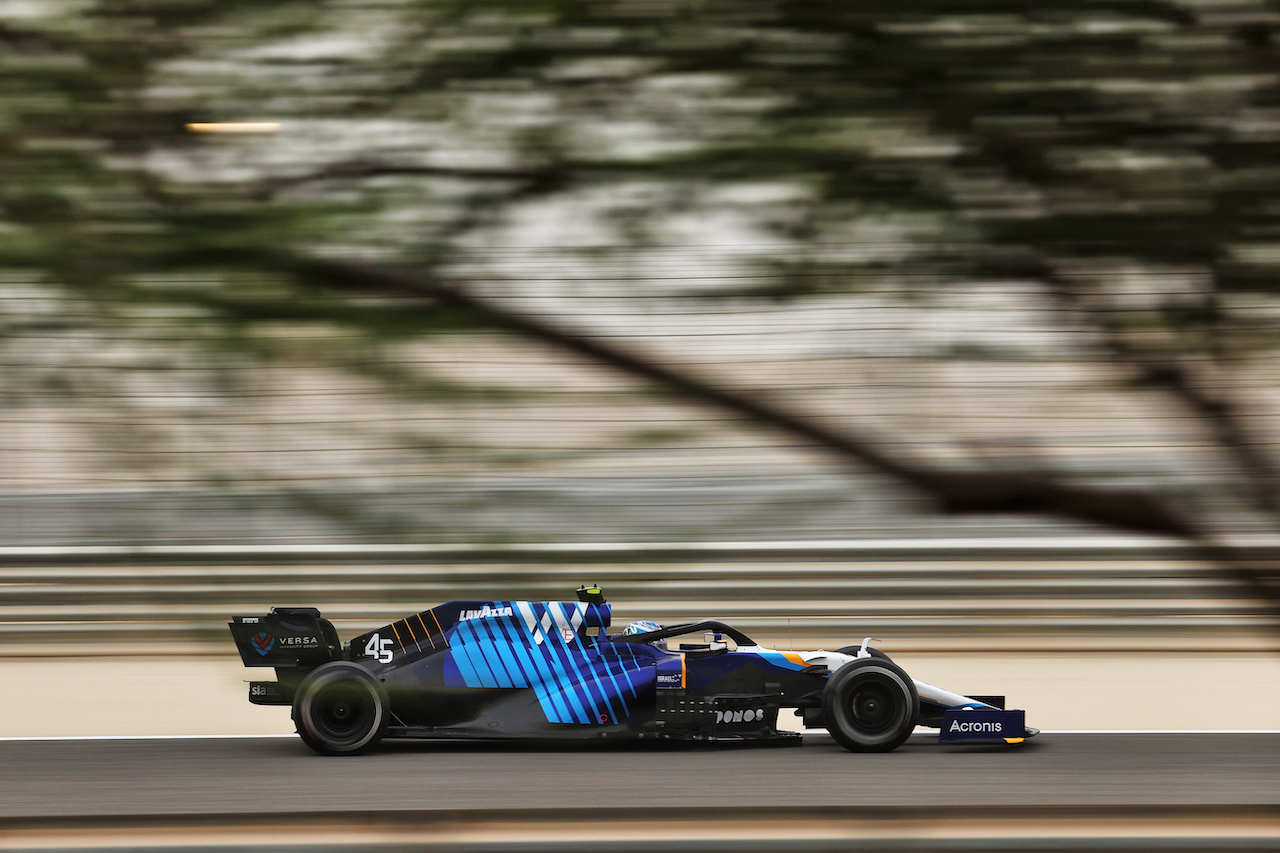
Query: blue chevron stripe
(506,653)
(569,688)
(573,682)
(617,691)
(633,660)
(462,660)
(568,680)
(595,678)
(471,647)
(500,651)
(482,649)
(585,675)
(539,674)
(557,707)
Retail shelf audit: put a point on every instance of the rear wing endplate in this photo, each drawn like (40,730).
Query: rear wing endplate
(286,637)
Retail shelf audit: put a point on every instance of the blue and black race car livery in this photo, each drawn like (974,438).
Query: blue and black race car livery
(552,669)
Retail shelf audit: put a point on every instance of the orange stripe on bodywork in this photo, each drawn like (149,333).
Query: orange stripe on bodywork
(437,621)
(684,673)
(412,635)
(795,658)
(425,631)
(397,633)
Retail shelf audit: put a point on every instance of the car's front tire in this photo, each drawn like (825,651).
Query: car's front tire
(340,709)
(870,705)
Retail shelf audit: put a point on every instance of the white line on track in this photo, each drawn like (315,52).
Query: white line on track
(807,732)
(145,737)
(1160,732)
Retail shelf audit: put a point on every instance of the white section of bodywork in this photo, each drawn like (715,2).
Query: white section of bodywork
(835,660)
(945,697)
(541,628)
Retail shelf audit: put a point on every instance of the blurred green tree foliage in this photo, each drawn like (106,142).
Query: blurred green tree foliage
(1120,153)
(1006,138)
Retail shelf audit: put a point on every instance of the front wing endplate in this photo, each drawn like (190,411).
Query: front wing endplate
(983,725)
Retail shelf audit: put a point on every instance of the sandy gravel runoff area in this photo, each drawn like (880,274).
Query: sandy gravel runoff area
(61,697)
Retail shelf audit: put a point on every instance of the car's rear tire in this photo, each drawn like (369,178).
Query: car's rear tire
(870,705)
(340,709)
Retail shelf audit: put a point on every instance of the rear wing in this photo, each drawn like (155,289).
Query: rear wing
(286,637)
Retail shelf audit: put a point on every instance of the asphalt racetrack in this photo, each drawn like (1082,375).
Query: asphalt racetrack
(250,775)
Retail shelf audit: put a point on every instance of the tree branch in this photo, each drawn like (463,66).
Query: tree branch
(1221,415)
(958,492)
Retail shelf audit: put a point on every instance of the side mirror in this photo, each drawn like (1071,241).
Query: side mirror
(716,640)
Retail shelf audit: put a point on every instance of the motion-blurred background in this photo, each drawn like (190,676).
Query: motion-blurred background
(830,318)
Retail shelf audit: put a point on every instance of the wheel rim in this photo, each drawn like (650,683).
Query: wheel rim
(875,706)
(343,712)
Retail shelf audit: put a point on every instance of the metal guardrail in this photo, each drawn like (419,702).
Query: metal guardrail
(901,548)
(1113,592)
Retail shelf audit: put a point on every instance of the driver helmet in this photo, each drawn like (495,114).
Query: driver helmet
(644,626)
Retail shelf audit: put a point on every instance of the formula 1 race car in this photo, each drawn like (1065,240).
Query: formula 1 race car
(525,669)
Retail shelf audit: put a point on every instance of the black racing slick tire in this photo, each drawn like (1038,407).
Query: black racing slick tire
(340,709)
(870,705)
